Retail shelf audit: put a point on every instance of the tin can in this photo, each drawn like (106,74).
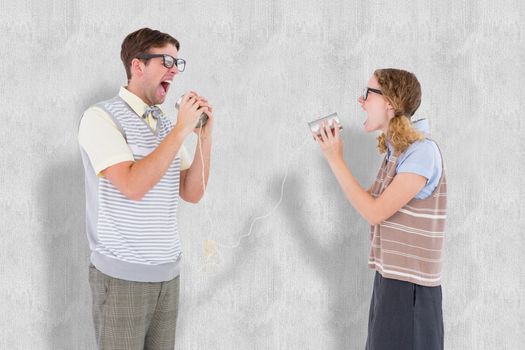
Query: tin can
(203,119)
(332,120)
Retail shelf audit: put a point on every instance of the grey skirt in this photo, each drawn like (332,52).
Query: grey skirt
(404,315)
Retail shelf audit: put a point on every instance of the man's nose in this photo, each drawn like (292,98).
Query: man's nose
(174,70)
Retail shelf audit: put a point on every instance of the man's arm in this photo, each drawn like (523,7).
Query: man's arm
(135,179)
(192,183)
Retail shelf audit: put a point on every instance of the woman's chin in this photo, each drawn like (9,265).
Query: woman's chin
(366,126)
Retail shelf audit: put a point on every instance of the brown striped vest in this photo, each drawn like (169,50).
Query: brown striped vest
(408,246)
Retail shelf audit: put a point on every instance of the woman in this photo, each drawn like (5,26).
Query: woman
(406,209)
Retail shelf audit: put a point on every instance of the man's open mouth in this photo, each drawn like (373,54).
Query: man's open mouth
(166,85)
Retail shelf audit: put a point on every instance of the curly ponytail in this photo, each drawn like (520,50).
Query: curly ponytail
(401,135)
(403,91)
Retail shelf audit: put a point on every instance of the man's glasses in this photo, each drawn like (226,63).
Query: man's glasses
(368,89)
(167,60)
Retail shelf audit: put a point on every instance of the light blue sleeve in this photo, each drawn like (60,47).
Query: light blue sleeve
(422,158)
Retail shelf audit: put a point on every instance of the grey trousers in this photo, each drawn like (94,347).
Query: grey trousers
(133,315)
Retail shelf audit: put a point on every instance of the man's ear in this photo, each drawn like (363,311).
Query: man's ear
(137,67)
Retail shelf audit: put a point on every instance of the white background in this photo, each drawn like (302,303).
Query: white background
(300,281)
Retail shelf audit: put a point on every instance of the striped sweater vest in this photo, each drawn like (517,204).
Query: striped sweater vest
(134,240)
(408,246)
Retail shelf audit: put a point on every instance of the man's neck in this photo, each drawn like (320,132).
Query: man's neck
(137,91)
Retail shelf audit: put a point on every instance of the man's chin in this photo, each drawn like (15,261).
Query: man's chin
(160,100)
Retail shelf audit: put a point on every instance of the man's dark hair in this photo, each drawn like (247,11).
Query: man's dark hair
(140,42)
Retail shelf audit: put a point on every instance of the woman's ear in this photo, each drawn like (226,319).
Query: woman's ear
(390,111)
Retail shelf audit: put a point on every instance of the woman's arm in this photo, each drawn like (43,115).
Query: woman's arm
(403,188)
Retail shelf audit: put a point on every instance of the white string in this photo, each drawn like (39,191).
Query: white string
(211,252)
(270,212)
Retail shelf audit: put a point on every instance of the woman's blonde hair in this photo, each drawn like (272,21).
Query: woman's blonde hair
(403,91)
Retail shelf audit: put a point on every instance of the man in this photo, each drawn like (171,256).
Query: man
(136,167)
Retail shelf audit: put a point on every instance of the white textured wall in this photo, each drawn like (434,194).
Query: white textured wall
(300,281)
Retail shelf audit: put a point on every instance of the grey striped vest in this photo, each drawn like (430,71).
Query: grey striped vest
(134,240)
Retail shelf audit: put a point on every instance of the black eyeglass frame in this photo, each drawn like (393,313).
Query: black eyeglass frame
(367,89)
(179,62)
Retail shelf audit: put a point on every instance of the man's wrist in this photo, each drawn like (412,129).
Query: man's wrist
(177,135)
(204,136)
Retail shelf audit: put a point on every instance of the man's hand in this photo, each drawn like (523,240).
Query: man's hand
(191,107)
(205,130)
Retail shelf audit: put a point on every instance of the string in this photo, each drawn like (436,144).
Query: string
(210,247)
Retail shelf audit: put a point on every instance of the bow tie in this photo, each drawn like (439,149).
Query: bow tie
(154,111)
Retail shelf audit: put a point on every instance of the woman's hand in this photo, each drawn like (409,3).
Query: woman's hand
(331,143)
